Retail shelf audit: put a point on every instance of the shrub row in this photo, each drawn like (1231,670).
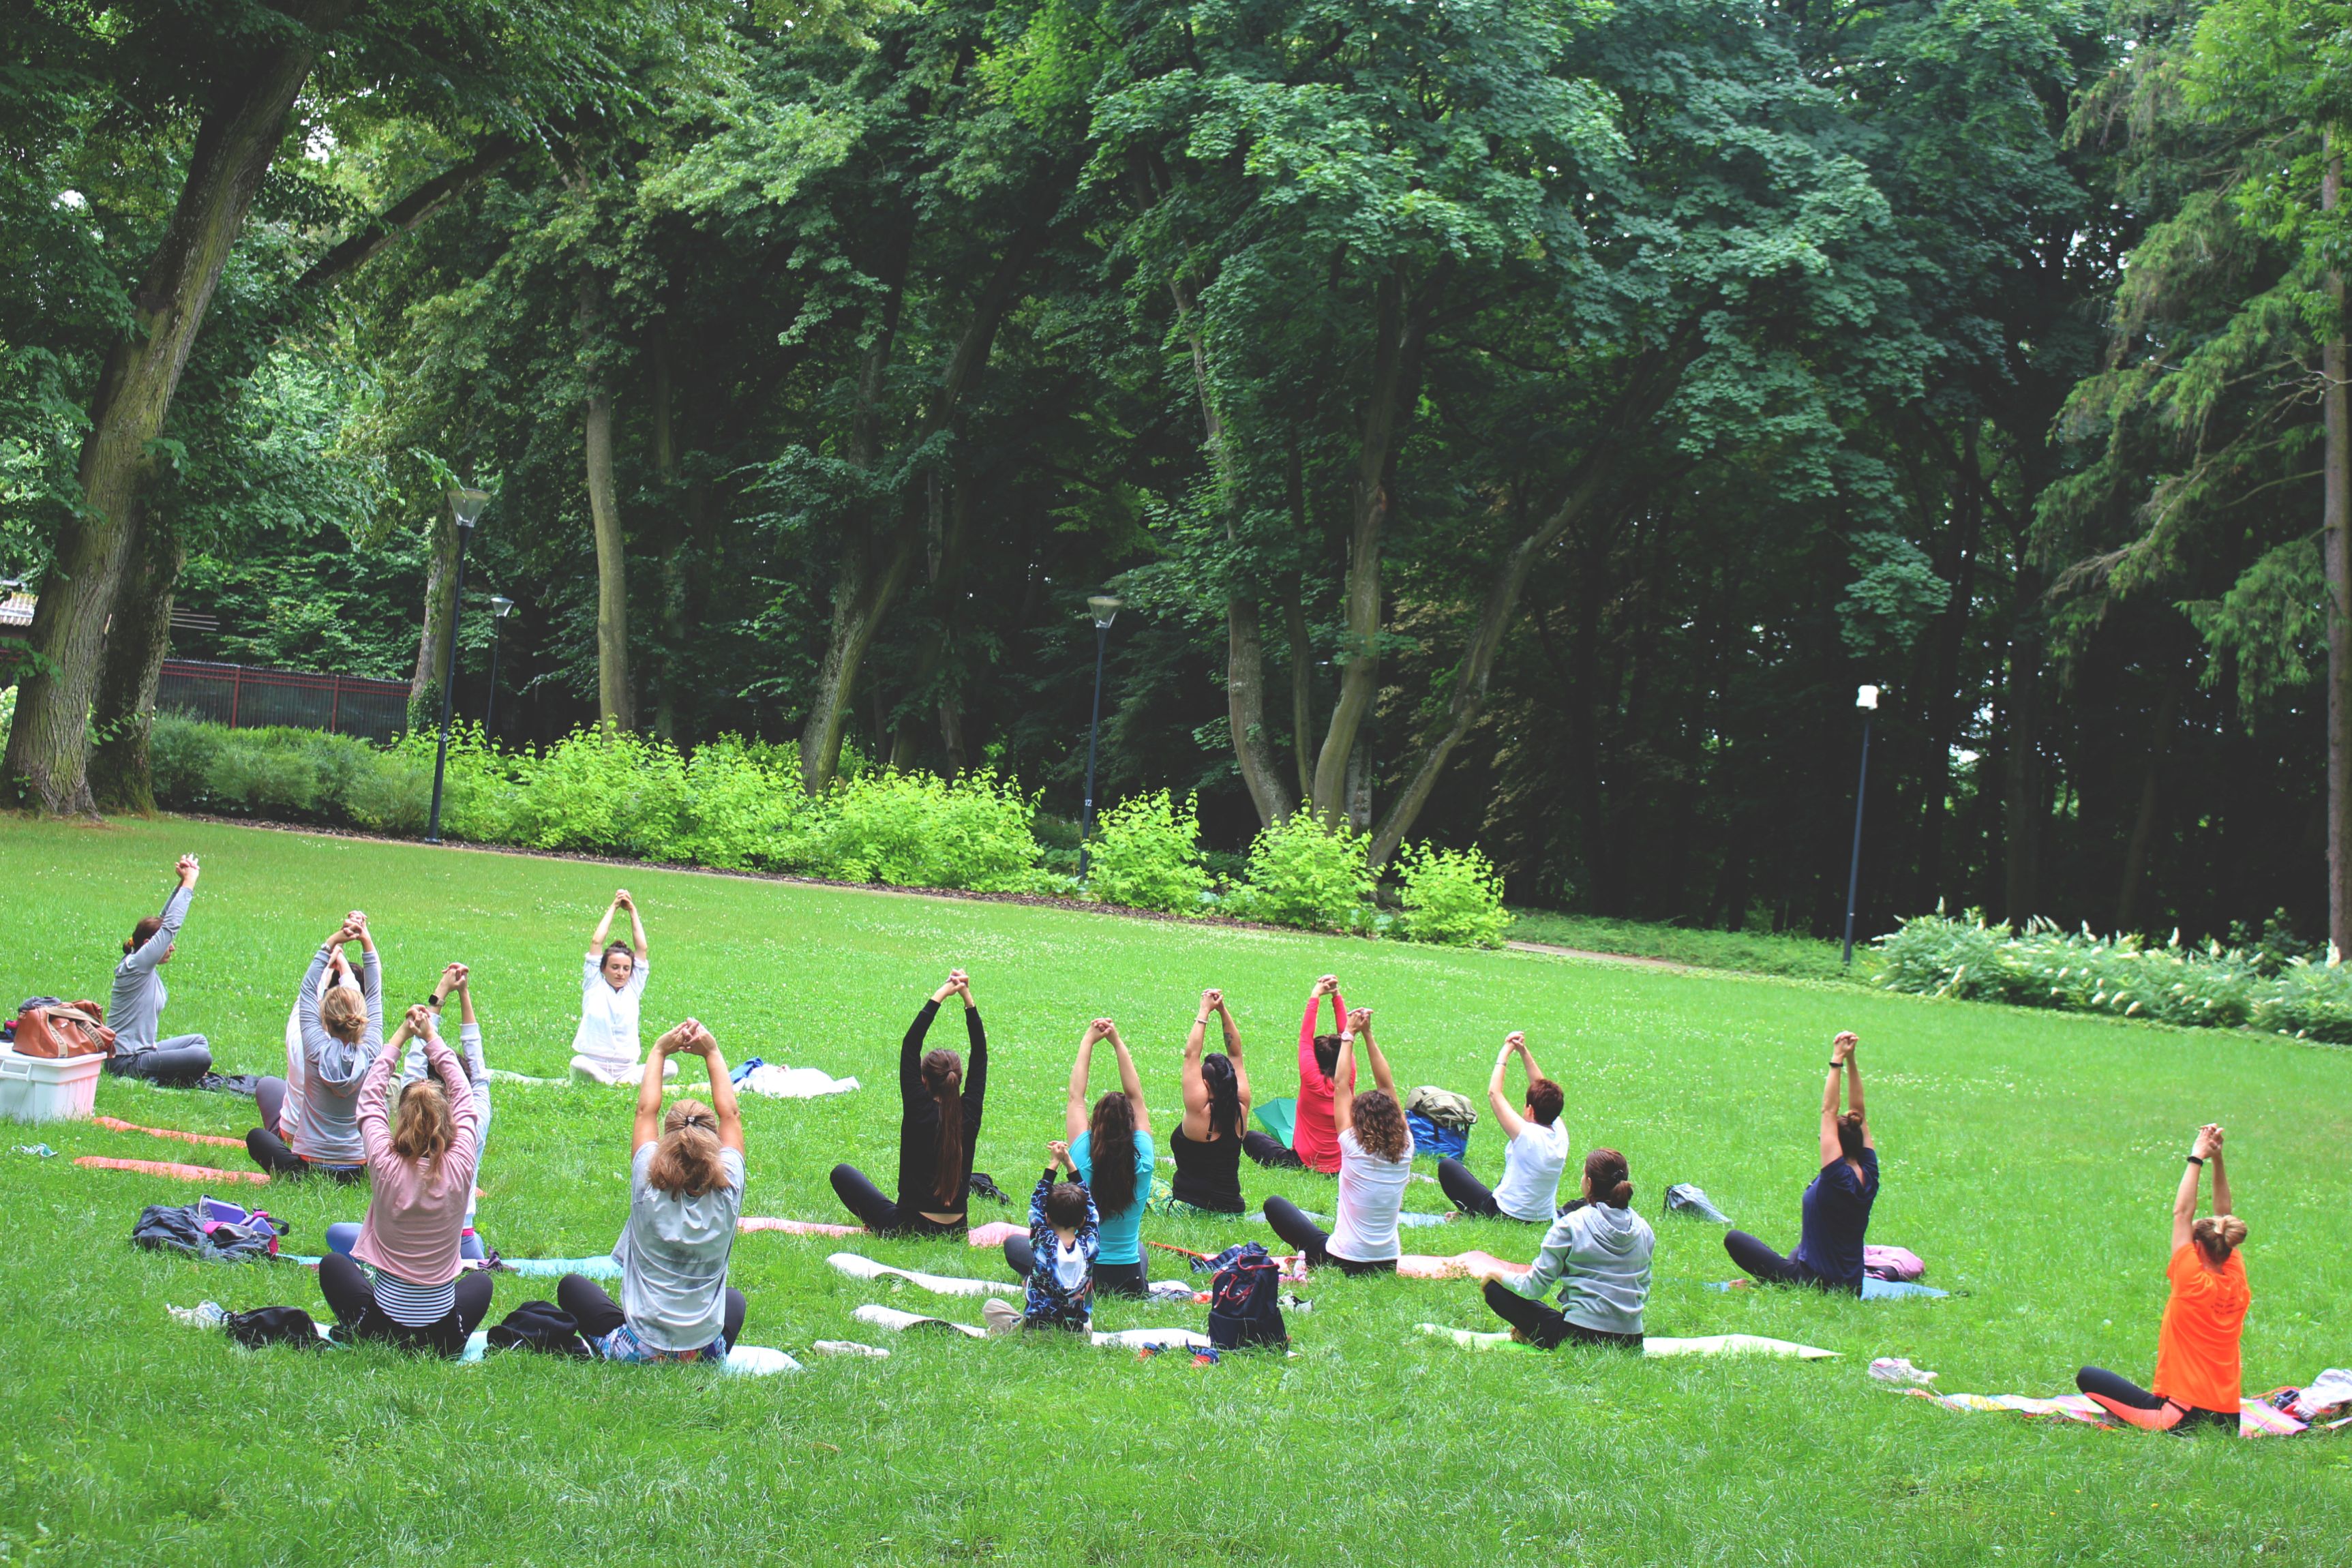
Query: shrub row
(738,805)
(2043,966)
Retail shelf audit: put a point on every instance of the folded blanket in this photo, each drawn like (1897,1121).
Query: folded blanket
(177,1171)
(1655,1345)
(115,1125)
(794,1083)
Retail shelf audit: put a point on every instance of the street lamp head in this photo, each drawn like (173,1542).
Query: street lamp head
(501,607)
(466,505)
(1866,698)
(1106,609)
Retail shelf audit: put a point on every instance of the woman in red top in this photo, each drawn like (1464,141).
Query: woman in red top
(2196,1382)
(1314,1138)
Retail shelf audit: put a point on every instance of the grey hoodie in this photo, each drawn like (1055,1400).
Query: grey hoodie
(1601,1255)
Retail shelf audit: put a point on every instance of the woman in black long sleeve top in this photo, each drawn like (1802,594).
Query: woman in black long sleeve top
(934,1149)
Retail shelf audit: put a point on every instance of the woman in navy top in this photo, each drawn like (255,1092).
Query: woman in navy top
(1837,1204)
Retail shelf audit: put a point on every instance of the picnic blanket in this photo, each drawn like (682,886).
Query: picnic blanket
(173,1169)
(1654,1346)
(114,1124)
(2257,1418)
(779,1082)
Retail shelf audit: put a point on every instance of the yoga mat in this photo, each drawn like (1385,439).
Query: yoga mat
(899,1323)
(114,1125)
(858,1267)
(1655,1345)
(178,1172)
(1872,1289)
(2255,1417)
(800,1226)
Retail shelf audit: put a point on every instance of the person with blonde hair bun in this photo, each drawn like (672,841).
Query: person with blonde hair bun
(342,1033)
(2197,1345)
(400,1284)
(686,1193)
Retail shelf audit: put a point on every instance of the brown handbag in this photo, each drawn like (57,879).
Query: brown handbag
(73,1029)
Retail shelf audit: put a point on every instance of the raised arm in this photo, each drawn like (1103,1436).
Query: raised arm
(1073,1105)
(1510,1120)
(722,1088)
(175,909)
(975,1039)
(603,929)
(1831,1149)
(371,975)
(2184,1198)
(1343,1080)
(1196,1092)
(1234,1052)
(1382,1080)
(911,1050)
(646,1128)
(1130,1082)
(375,1132)
(636,926)
(1854,1087)
(2222,1204)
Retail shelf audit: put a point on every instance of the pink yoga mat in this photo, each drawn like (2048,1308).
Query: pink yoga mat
(111,1124)
(178,1172)
(799,1227)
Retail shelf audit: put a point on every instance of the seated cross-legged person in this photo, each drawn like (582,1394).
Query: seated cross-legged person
(1534,1159)
(605,1047)
(342,1033)
(1599,1254)
(1063,1236)
(1375,1164)
(1110,1150)
(686,1194)
(939,1126)
(1838,1202)
(1207,1143)
(401,1283)
(135,1006)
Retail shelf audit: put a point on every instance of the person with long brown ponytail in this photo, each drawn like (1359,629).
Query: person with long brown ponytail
(686,1194)
(1207,1143)
(1599,1252)
(1111,1151)
(939,1125)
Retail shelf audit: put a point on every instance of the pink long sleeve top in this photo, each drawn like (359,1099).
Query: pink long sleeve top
(1314,1137)
(417,1211)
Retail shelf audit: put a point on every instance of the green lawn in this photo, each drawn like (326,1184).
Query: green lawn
(1750,951)
(2028,1157)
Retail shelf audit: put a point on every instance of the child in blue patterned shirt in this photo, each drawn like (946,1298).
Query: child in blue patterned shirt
(1062,1225)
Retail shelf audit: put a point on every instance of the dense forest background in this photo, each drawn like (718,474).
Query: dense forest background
(1520,422)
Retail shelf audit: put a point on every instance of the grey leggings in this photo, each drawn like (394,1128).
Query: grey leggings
(182,1059)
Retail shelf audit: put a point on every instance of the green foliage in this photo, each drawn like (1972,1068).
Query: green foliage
(918,830)
(1302,873)
(1147,854)
(1452,896)
(2126,976)
(1893,598)
(285,774)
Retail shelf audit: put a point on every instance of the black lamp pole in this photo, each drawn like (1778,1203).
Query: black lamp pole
(1106,610)
(500,608)
(1865,698)
(465,506)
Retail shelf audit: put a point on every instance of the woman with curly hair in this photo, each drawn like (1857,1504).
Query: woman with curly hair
(1375,1163)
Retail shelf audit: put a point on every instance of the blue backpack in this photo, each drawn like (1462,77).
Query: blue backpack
(1245,1301)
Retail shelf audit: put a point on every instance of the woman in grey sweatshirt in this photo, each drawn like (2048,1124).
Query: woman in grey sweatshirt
(1599,1252)
(342,1033)
(136,1008)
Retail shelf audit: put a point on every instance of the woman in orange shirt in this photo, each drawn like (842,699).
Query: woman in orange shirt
(2196,1380)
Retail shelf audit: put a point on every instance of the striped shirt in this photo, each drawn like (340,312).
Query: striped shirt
(414,1305)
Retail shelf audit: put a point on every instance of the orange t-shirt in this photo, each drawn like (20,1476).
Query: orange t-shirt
(2197,1348)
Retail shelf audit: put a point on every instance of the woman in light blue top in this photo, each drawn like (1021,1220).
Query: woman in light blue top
(1110,1148)
(135,1009)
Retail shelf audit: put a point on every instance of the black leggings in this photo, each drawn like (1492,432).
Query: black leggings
(1543,1325)
(270,1152)
(879,1214)
(1273,1155)
(598,1314)
(2114,1392)
(178,1061)
(1114,1278)
(1467,1192)
(1291,1224)
(1760,1262)
(351,1297)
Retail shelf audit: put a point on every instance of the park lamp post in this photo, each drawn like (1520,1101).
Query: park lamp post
(465,506)
(1105,608)
(500,608)
(1865,698)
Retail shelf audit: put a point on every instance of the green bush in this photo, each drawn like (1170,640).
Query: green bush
(1452,896)
(1147,854)
(1302,873)
(298,775)
(2043,966)
(918,830)
(742,803)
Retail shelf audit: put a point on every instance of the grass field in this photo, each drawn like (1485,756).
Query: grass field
(1748,951)
(2028,1157)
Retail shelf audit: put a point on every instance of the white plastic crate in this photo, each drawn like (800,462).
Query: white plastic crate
(42,1089)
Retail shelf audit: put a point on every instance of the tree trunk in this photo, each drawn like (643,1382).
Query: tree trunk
(2144,822)
(1244,637)
(2335,417)
(2021,790)
(433,642)
(615,703)
(1945,712)
(120,776)
(1302,651)
(48,747)
(667,688)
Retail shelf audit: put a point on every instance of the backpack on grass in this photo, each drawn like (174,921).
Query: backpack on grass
(274,1326)
(539,1326)
(1244,1307)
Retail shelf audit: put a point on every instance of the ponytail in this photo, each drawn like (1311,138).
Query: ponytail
(1111,1137)
(1612,1180)
(943,1077)
(686,1162)
(1225,1095)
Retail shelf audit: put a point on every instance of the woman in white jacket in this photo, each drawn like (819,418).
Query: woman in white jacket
(1599,1252)
(605,1047)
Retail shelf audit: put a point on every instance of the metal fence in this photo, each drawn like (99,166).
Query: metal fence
(244,697)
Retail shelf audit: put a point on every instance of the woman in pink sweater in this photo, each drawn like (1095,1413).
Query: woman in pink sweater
(401,1282)
(1314,1138)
